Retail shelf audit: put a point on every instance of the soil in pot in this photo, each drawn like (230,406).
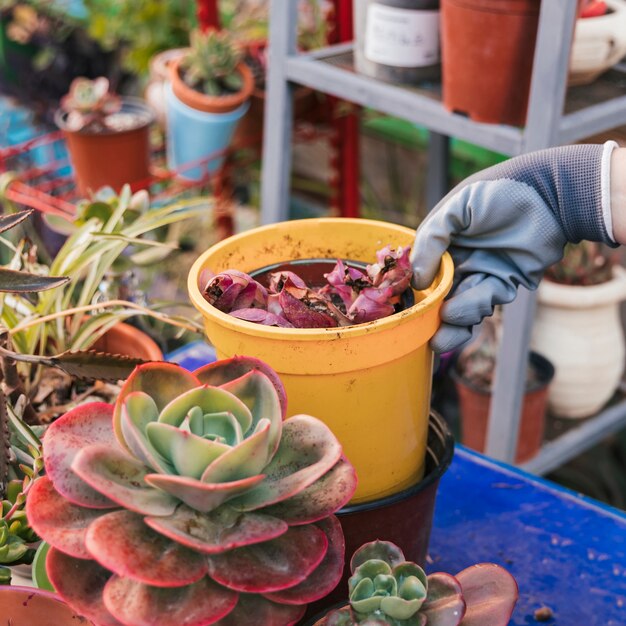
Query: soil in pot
(475,402)
(112,158)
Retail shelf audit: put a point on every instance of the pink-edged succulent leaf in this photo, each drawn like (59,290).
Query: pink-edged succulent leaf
(201,496)
(83,426)
(490,593)
(277,281)
(263,317)
(254,610)
(199,604)
(244,460)
(385,551)
(122,479)
(232,290)
(325,496)
(188,454)
(58,521)
(80,583)
(338,617)
(392,269)
(305,308)
(221,372)
(445,605)
(124,544)
(139,410)
(371,304)
(326,575)
(161,381)
(209,400)
(308,449)
(218,531)
(273,565)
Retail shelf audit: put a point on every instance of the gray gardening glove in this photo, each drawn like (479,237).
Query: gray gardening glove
(505,225)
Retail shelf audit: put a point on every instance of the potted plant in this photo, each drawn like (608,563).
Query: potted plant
(367,370)
(577,326)
(387,589)
(473,377)
(107,136)
(207,96)
(190,500)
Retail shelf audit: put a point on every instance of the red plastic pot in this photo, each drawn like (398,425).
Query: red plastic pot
(111,159)
(487,57)
(474,405)
(404,518)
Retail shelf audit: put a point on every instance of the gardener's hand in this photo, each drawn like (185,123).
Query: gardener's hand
(505,225)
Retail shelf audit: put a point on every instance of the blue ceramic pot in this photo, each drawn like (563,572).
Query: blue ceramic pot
(195,139)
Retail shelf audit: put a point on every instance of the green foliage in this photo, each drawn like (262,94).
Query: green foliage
(211,65)
(141,28)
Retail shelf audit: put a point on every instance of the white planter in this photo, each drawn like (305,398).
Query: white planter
(580,331)
(599,43)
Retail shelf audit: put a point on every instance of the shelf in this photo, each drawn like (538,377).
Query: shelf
(589,109)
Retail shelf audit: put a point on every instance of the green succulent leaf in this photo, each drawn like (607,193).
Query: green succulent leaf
(380,550)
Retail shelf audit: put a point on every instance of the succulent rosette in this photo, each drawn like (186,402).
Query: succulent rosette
(387,590)
(192,501)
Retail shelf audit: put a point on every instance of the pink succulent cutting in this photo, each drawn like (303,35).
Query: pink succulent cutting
(191,501)
(350,296)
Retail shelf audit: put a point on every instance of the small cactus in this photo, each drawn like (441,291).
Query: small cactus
(211,67)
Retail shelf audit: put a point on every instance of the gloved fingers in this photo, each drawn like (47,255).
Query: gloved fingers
(450,337)
(474,298)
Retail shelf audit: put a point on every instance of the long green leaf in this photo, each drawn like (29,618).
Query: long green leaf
(10,221)
(23,282)
(135,240)
(22,430)
(90,365)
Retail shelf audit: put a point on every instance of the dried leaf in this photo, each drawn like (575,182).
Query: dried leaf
(23,282)
(9,221)
(89,365)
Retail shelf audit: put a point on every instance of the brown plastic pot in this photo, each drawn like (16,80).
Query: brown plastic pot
(404,518)
(487,57)
(111,159)
(210,104)
(129,341)
(474,404)
(27,606)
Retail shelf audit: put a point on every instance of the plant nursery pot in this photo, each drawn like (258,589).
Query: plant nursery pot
(579,329)
(397,40)
(129,341)
(474,405)
(27,606)
(599,43)
(487,55)
(113,159)
(196,140)
(404,518)
(370,383)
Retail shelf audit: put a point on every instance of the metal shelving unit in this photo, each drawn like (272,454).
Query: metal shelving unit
(556,116)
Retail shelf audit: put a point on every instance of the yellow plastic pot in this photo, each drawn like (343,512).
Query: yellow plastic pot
(370,382)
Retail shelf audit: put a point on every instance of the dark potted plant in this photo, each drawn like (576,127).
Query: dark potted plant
(578,327)
(208,94)
(107,136)
(473,377)
(386,589)
(191,500)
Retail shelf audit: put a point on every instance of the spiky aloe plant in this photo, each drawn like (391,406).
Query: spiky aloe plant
(191,501)
(387,590)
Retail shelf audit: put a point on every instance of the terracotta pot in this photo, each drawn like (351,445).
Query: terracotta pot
(487,55)
(211,104)
(129,341)
(404,518)
(474,405)
(27,606)
(113,159)
(579,330)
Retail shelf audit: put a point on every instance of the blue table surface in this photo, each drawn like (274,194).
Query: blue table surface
(567,552)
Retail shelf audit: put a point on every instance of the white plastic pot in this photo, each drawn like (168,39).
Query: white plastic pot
(580,331)
(599,43)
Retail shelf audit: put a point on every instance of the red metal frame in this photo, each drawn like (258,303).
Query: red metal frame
(208,14)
